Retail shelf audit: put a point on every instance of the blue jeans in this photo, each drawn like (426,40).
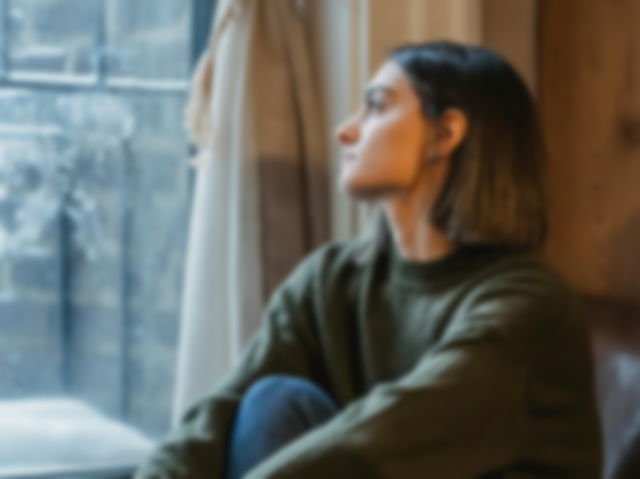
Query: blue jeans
(274,410)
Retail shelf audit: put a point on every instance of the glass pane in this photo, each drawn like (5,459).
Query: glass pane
(92,219)
(159,215)
(147,42)
(33,158)
(135,293)
(94,202)
(56,37)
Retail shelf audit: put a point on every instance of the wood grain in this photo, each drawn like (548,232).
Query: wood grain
(589,87)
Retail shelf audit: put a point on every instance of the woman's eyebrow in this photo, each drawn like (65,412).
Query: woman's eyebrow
(372,90)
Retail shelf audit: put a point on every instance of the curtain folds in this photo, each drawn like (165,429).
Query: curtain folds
(261,199)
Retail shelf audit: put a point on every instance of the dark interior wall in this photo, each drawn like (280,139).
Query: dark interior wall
(589,91)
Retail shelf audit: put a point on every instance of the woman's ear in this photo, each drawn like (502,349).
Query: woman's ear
(451,129)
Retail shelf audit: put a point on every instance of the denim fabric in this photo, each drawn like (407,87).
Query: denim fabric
(275,410)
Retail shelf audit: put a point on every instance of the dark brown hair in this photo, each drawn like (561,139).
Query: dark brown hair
(495,188)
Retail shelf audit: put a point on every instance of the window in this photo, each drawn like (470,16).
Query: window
(94,206)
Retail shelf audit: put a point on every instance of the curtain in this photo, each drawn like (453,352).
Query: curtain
(261,191)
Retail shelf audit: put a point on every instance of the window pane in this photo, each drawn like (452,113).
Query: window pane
(56,37)
(93,216)
(94,203)
(147,42)
(74,169)
(159,214)
(29,284)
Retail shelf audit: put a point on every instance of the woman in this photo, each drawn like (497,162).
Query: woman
(438,346)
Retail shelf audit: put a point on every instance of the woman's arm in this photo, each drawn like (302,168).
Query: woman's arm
(284,343)
(462,411)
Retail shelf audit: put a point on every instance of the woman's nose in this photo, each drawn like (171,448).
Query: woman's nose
(347,132)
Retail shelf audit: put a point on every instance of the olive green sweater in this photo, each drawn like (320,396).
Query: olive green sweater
(474,365)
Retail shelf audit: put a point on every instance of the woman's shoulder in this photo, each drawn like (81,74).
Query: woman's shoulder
(524,291)
(329,256)
(523,271)
(325,264)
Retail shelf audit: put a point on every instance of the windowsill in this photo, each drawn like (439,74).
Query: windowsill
(95,472)
(65,438)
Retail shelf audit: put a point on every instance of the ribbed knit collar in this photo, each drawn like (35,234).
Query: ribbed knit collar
(434,273)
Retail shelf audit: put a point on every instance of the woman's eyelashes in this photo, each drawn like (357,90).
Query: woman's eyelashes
(374,105)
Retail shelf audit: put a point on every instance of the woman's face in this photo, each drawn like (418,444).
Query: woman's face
(385,143)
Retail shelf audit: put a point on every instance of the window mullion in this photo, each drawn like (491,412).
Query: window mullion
(4,40)
(102,46)
(65,320)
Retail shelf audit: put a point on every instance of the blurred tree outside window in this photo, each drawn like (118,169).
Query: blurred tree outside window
(94,207)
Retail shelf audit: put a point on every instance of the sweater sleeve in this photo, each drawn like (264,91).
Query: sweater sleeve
(284,343)
(460,412)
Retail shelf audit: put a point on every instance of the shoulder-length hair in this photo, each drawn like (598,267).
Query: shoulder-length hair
(494,191)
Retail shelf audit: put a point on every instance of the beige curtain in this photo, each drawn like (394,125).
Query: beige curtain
(261,199)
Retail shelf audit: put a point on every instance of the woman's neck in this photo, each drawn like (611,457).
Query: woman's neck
(414,237)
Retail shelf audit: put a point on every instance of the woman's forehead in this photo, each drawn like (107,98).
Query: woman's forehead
(390,79)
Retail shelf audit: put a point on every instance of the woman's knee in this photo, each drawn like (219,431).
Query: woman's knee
(282,390)
(280,387)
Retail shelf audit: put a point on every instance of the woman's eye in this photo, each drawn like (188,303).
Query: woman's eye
(375,106)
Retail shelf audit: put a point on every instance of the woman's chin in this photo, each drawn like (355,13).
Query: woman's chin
(351,186)
(362,191)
